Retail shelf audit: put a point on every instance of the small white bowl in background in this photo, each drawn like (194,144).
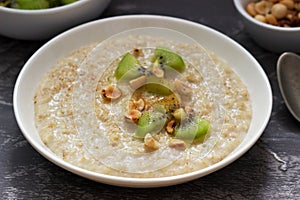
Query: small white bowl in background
(237,57)
(270,37)
(45,23)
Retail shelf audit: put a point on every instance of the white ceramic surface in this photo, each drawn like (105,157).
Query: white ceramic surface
(273,38)
(238,58)
(46,23)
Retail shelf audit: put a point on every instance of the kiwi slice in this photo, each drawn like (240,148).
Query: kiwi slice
(158,89)
(158,86)
(193,131)
(30,4)
(150,122)
(127,68)
(167,57)
(64,2)
(54,3)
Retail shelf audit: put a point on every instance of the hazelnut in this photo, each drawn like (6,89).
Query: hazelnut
(284,13)
(263,7)
(138,82)
(159,73)
(170,126)
(137,52)
(150,143)
(177,144)
(297,6)
(251,9)
(137,105)
(133,115)
(261,18)
(288,3)
(279,10)
(271,19)
(111,93)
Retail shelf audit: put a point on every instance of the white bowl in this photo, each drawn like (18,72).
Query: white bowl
(45,23)
(238,58)
(273,38)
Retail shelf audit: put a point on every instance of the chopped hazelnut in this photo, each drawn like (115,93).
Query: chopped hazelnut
(138,52)
(137,105)
(178,144)
(133,115)
(150,143)
(159,73)
(170,126)
(111,93)
(138,82)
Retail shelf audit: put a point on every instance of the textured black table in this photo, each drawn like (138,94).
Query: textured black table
(270,170)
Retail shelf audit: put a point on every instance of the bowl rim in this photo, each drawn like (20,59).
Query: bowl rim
(242,11)
(44,11)
(140,182)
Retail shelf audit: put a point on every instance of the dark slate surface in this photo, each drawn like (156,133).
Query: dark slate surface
(269,170)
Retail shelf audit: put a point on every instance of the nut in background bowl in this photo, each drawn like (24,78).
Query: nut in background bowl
(273,38)
(45,23)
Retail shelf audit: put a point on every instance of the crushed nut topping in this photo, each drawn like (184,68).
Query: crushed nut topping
(137,52)
(178,144)
(137,105)
(133,115)
(150,143)
(158,72)
(171,126)
(111,93)
(138,82)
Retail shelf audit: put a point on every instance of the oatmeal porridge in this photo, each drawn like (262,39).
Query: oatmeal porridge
(142,106)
